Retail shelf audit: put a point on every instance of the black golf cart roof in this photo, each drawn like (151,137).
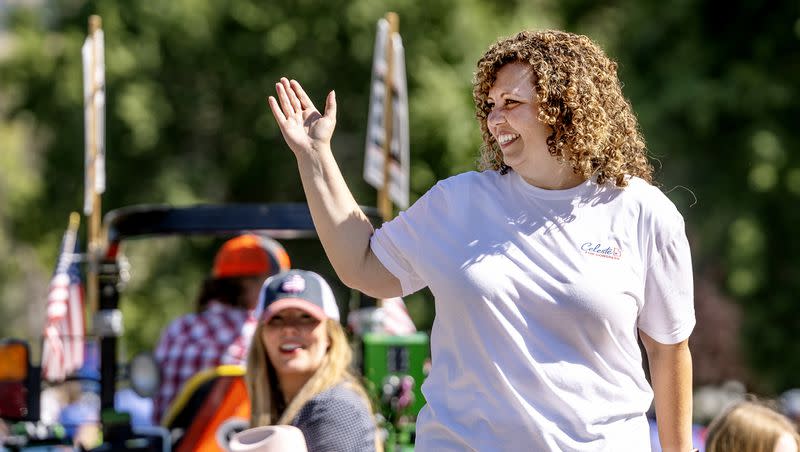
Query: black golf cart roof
(279,220)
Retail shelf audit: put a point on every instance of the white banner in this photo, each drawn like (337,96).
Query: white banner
(94,105)
(399,165)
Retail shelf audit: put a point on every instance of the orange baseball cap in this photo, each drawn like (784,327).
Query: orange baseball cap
(250,255)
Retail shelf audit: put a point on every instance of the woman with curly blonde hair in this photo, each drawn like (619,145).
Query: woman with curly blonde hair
(546,266)
(580,98)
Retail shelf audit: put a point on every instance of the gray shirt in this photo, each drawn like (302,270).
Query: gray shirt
(337,420)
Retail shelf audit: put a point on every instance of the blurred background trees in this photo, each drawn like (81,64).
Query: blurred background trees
(715,86)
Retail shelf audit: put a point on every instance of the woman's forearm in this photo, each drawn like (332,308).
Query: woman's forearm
(343,228)
(671,374)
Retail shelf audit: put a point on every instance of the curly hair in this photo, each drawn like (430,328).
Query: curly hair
(580,98)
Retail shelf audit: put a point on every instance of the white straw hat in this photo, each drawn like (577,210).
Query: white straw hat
(273,438)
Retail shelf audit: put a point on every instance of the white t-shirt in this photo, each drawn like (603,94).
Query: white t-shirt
(539,294)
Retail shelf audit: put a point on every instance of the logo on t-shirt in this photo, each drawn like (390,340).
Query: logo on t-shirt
(601,250)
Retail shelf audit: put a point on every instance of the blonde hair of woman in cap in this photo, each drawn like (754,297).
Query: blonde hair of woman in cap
(298,367)
(751,426)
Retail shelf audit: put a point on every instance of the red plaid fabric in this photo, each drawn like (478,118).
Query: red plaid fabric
(219,335)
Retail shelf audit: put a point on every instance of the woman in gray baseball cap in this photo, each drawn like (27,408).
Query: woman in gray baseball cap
(298,366)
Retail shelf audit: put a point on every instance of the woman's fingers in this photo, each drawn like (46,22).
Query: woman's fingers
(301,124)
(276,110)
(330,106)
(283,98)
(292,105)
(291,94)
(305,101)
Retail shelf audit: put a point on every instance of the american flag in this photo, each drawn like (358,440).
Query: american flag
(293,284)
(64,331)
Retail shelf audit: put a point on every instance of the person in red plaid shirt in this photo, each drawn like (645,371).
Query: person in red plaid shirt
(220,331)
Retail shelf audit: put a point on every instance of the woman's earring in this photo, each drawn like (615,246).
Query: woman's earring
(504,168)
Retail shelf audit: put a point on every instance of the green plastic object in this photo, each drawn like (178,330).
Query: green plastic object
(386,355)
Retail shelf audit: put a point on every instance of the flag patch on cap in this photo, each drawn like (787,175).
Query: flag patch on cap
(293,284)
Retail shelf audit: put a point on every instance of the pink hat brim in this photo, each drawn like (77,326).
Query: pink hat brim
(298,303)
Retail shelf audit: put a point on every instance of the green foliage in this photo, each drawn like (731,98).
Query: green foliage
(187,119)
(714,85)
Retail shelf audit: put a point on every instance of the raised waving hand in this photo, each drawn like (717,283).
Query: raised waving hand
(342,227)
(301,124)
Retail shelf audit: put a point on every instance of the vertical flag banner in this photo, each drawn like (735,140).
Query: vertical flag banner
(400,167)
(94,106)
(64,331)
(399,164)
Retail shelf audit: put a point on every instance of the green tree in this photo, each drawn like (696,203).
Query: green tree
(187,119)
(714,85)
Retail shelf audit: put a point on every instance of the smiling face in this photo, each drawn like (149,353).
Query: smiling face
(513,122)
(513,119)
(295,342)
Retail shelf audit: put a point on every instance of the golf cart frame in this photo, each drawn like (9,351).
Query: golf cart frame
(278,220)
(281,221)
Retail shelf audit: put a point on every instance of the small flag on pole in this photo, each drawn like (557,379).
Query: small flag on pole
(64,331)
(399,164)
(94,106)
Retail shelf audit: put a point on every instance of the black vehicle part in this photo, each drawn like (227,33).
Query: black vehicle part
(278,220)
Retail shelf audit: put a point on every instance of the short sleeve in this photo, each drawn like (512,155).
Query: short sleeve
(336,424)
(668,311)
(396,244)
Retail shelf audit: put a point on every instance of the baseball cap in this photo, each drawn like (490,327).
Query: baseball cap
(300,289)
(250,255)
